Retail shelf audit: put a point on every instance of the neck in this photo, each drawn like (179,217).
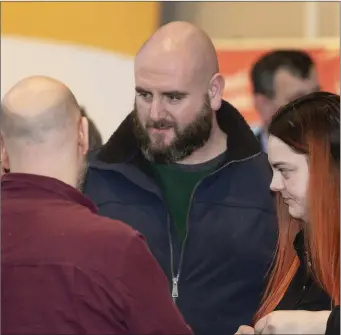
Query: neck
(216,145)
(53,169)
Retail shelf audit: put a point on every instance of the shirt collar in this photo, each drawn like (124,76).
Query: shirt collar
(43,186)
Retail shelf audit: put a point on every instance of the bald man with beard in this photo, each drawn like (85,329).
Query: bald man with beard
(185,169)
(64,269)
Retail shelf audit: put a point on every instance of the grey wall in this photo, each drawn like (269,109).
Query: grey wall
(224,20)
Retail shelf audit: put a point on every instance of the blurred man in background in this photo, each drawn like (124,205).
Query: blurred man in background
(64,269)
(277,78)
(185,169)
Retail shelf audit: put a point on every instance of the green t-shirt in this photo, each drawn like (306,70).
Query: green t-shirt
(177,182)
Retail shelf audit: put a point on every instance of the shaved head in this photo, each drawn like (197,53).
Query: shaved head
(183,45)
(178,91)
(35,108)
(40,122)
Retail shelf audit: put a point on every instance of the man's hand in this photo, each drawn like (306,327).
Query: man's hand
(245,330)
(293,322)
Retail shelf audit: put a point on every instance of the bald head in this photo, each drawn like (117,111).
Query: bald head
(42,130)
(35,108)
(183,45)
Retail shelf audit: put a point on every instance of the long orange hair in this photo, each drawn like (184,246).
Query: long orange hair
(309,125)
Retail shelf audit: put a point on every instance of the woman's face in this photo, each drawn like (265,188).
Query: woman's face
(290,176)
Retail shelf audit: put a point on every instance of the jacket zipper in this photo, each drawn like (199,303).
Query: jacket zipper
(176,277)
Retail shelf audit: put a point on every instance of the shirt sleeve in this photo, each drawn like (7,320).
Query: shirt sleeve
(150,308)
(333,324)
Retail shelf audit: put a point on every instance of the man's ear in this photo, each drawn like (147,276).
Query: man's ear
(3,156)
(216,91)
(83,135)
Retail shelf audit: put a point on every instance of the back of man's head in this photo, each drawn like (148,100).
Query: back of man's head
(42,130)
(281,76)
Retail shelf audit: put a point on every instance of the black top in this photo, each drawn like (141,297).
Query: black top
(333,325)
(305,294)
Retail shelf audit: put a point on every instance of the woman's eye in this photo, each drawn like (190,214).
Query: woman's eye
(285,173)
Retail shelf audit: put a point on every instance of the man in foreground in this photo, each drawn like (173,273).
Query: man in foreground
(185,170)
(64,269)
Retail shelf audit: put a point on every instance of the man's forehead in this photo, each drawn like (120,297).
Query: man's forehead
(163,62)
(290,86)
(163,75)
(158,67)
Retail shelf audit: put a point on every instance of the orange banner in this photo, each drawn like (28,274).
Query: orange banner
(235,65)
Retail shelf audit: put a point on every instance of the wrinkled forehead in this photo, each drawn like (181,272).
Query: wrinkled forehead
(280,152)
(165,72)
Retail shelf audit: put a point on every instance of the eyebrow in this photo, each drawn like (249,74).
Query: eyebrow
(140,90)
(166,93)
(175,93)
(277,165)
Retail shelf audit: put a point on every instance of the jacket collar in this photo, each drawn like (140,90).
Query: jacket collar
(122,146)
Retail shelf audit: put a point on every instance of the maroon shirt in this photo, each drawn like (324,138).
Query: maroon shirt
(66,270)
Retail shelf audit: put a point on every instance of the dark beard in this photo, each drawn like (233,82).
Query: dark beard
(193,137)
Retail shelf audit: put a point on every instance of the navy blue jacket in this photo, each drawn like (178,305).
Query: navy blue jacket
(218,275)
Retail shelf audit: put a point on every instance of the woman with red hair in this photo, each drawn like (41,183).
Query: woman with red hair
(304,153)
